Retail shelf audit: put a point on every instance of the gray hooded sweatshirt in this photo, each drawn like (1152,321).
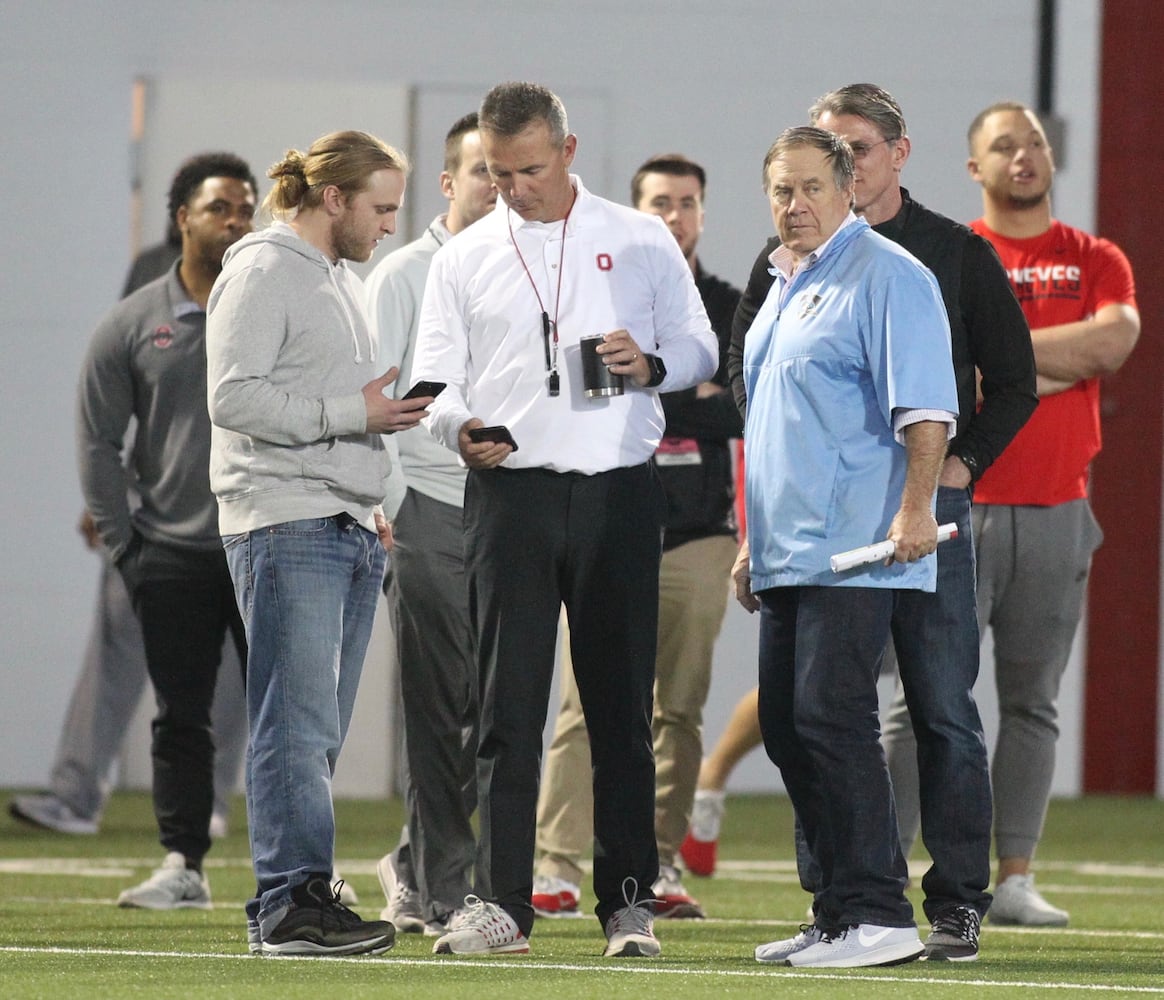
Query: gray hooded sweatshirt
(288,350)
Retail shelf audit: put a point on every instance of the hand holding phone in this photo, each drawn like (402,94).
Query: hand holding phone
(424,388)
(497,435)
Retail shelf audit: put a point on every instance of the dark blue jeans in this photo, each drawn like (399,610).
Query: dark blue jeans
(936,640)
(935,645)
(820,653)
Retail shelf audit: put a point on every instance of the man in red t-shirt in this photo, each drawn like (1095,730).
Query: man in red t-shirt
(1033,527)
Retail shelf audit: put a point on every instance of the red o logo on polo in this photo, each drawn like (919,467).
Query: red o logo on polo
(604,262)
(163,337)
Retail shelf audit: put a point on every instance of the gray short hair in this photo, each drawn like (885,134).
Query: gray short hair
(837,152)
(865,100)
(510,108)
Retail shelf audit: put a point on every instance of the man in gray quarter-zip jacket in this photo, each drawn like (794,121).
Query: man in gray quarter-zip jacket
(147,362)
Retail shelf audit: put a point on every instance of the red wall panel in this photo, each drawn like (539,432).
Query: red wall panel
(1120,718)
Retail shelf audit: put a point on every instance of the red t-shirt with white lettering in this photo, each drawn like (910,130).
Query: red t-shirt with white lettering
(1061,276)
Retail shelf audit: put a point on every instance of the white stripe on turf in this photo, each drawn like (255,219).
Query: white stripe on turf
(612,968)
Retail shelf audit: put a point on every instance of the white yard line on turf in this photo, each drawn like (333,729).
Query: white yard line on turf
(649,968)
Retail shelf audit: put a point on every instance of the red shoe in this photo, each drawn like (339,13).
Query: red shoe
(698,855)
(698,849)
(671,899)
(555,897)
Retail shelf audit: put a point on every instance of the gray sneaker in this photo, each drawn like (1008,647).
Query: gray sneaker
(777,952)
(438,926)
(254,937)
(1016,901)
(953,935)
(441,925)
(403,909)
(171,887)
(630,931)
(50,813)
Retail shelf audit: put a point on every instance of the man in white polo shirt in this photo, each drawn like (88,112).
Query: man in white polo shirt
(565,509)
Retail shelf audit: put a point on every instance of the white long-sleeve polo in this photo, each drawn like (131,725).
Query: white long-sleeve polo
(481,332)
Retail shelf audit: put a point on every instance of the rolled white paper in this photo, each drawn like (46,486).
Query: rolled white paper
(880,550)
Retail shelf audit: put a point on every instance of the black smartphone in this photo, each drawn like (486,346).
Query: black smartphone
(424,389)
(498,435)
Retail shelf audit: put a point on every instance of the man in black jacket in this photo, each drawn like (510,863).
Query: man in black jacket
(935,635)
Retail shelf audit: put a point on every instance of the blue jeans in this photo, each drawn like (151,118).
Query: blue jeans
(308,591)
(936,640)
(820,653)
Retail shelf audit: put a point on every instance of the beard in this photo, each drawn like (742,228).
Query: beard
(212,257)
(348,243)
(1031,199)
(1022,201)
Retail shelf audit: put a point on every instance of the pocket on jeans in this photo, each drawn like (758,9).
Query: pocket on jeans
(233,541)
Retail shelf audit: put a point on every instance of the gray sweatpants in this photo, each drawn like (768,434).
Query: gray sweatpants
(1033,564)
(429,599)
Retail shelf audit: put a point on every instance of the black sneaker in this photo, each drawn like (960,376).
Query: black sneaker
(317,923)
(953,935)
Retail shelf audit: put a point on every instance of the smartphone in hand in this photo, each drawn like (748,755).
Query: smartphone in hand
(424,388)
(498,435)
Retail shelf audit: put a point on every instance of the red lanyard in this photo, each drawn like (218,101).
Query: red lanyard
(549,327)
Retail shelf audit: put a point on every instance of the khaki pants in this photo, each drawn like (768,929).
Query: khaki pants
(694,582)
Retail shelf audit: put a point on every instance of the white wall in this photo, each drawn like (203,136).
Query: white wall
(715,80)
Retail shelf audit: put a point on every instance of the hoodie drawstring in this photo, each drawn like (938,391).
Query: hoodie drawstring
(331,269)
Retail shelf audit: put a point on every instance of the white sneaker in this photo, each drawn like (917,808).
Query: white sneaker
(555,897)
(171,887)
(630,931)
(403,909)
(1016,901)
(860,945)
(483,928)
(219,826)
(671,900)
(50,813)
(777,952)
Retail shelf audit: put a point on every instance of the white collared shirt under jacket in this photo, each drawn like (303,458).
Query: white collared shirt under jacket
(481,332)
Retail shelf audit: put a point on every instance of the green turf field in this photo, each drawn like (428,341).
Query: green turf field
(62,937)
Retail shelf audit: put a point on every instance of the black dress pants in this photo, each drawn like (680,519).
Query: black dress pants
(534,540)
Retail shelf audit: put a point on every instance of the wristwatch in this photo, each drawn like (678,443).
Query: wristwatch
(658,370)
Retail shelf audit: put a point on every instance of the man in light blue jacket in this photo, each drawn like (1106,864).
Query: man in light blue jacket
(851,399)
